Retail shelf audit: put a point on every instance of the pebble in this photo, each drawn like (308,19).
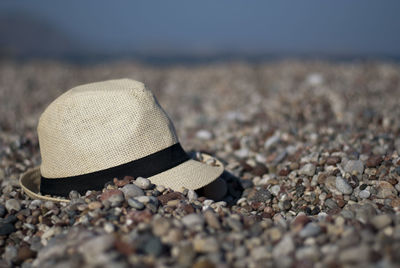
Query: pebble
(204,134)
(6,228)
(143,183)
(343,186)
(2,210)
(311,229)
(260,195)
(13,205)
(364,194)
(284,248)
(354,167)
(94,205)
(153,247)
(170,196)
(93,249)
(381,221)
(308,170)
(193,220)
(205,245)
(135,203)
(112,196)
(212,219)
(275,190)
(25,253)
(374,161)
(290,213)
(161,226)
(192,195)
(131,190)
(385,190)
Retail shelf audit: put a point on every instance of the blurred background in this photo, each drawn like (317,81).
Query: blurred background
(184,31)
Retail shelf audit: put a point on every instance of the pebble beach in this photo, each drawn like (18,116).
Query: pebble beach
(311,151)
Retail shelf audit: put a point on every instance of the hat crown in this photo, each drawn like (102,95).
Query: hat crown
(101,125)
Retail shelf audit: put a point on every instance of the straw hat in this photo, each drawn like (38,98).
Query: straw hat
(95,132)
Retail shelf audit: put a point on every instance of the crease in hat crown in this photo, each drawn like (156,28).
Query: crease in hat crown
(101,125)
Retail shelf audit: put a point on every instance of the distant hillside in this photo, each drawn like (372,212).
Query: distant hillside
(22,35)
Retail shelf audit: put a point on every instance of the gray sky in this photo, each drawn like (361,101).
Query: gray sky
(328,27)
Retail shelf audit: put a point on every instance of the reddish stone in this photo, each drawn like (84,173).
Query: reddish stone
(123,182)
(140,215)
(333,160)
(107,194)
(187,208)
(301,220)
(259,169)
(124,248)
(284,172)
(374,161)
(170,196)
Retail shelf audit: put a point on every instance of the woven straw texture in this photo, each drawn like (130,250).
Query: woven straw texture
(105,124)
(101,125)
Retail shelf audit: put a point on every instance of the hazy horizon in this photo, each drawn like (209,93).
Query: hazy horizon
(357,28)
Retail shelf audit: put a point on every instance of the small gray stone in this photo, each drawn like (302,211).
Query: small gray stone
(131,190)
(135,203)
(330,203)
(193,220)
(355,254)
(364,194)
(13,205)
(192,195)
(143,183)
(354,167)
(10,254)
(203,134)
(308,170)
(153,246)
(311,229)
(275,190)
(343,186)
(93,249)
(235,224)
(260,252)
(284,247)
(381,221)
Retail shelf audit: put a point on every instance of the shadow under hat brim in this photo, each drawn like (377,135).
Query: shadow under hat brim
(191,174)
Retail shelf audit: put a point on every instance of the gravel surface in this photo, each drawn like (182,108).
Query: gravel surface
(315,146)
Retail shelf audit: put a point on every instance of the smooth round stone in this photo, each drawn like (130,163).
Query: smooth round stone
(135,203)
(354,167)
(343,186)
(275,190)
(94,205)
(143,183)
(13,204)
(192,195)
(193,220)
(131,190)
(153,246)
(216,190)
(6,228)
(364,194)
(74,195)
(311,229)
(2,210)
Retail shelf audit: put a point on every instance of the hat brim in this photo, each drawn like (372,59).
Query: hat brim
(191,174)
